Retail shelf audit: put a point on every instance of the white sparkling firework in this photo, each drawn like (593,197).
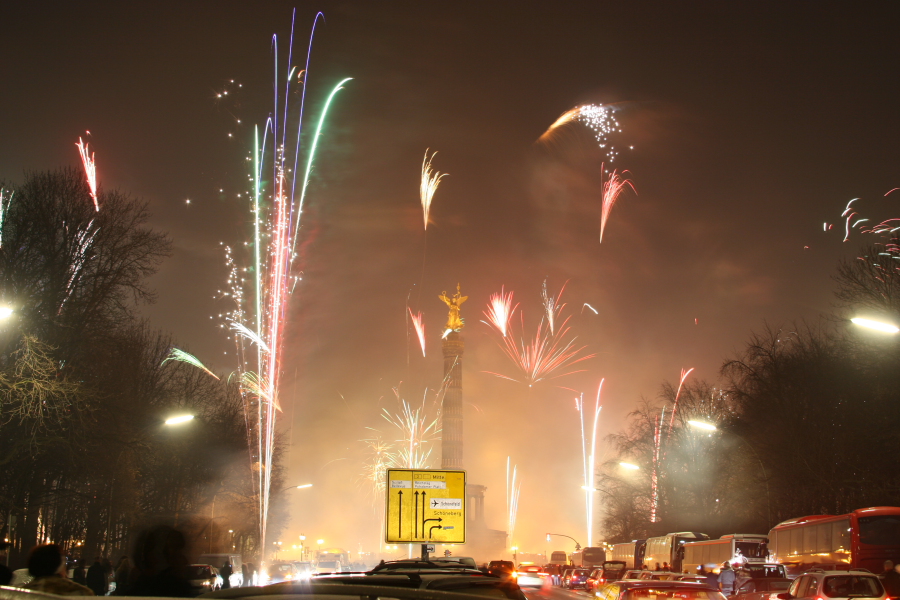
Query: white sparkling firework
(599,118)
(5,201)
(429,185)
(90,170)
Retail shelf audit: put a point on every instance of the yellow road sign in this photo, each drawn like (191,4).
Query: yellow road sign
(425,505)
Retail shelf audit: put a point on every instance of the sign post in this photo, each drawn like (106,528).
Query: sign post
(426,506)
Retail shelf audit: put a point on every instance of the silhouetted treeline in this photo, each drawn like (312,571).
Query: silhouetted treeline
(807,417)
(85,458)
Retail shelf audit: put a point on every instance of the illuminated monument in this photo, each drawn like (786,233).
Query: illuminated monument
(481,541)
(452,407)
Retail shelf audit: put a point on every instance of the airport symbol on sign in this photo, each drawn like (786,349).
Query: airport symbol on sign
(425,505)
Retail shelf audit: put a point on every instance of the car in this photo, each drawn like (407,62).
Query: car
(694,578)
(632,574)
(501,568)
(576,579)
(304,569)
(759,571)
(612,570)
(761,589)
(658,575)
(591,583)
(465,560)
(657,590)
(328,566)
(416,565)
(532,576)
(277,572)
(410,573)
(204,578)
(835,585)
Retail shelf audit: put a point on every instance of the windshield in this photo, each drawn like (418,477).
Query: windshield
(846,586)
(883,530)
(752,549)
(760,571)
(778,586)
(650,593)
(199,572)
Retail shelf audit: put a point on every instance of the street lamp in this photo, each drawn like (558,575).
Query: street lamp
(297,487)
(702,425)
(5,312)
(577,545)
(514,550)
(876,325)
(179,419)
(629,466)
(710,427)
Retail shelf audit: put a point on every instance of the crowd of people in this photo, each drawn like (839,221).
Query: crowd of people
(158,567)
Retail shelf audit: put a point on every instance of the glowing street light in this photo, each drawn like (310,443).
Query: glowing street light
(297,487)
(588,489)
(629,466)
(179,419)
(876,325)
(5,312)
(702,425)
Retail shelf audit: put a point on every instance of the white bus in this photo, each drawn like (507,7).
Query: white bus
(631,553)
(666,551)
(737,548)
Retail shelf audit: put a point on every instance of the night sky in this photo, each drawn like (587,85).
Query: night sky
(752,123)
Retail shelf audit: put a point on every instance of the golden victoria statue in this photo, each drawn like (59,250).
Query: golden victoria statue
(454,322)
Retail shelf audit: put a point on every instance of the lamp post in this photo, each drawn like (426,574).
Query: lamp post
(514,550)
(577,545)
(876,325)
(5,312)
(296,487)
(710,427)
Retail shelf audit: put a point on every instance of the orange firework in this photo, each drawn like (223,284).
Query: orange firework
(612,188)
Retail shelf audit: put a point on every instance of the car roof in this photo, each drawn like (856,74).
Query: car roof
(632,583)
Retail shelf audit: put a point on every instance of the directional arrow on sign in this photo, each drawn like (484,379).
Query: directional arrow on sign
(400,510)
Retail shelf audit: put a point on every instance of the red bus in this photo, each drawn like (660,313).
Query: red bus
(863,539)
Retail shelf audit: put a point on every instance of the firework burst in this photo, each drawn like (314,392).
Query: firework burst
(513,489)
(276,205)
(429,185)
(419,326)
(83,240)
(181,356)
(90,170)
(541,357)
(5,201)
(589,459)
(612,188)
(599,118)
(500,311)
